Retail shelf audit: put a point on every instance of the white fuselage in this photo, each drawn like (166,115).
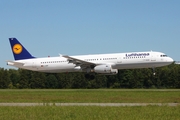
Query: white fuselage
(130,60)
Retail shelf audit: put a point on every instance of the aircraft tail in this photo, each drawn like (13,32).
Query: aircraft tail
(18,50)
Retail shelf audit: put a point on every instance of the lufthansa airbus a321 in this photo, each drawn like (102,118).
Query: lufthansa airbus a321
(107,64)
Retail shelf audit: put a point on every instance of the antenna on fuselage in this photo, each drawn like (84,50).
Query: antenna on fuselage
(60,55)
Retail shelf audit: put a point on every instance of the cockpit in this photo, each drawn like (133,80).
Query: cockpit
(163,55)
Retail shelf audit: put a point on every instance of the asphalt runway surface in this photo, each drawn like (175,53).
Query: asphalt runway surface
(89,104)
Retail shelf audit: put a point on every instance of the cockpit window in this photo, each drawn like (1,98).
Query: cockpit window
(163,55)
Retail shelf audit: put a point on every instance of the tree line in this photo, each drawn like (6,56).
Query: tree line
(166,77)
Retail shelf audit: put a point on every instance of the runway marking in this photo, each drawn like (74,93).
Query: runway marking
(89,104)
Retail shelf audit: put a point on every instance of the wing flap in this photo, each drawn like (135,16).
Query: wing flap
(72,59)
(79,62)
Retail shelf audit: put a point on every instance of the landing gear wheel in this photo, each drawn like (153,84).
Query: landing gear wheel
(92,77)
(154,72)
(89,76)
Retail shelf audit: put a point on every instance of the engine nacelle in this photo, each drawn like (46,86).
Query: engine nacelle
(77,68)
(105,69)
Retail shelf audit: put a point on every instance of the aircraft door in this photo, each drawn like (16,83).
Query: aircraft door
(119,60)
(34,65)
(153,57)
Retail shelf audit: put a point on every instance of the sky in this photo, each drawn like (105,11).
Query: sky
(78,27)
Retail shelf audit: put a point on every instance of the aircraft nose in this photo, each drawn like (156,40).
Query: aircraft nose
(170,60)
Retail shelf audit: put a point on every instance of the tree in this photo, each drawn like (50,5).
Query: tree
(37,80)
(113,81)
(24,78)
(4,78)
(166,77)
(79,81)
(51,81)
(14,77)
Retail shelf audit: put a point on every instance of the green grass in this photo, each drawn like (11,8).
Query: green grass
(91,96)
(90,113)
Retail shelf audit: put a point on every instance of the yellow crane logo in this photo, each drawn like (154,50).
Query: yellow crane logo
(17,48)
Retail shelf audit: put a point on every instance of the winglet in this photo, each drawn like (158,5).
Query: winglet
(18,50)
(60,55)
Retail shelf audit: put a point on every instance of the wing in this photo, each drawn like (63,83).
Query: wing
(83,64)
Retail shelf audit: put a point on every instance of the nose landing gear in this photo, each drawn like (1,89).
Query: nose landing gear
(154,72)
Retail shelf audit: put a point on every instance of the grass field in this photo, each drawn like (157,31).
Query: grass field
(90,112)
(91,96)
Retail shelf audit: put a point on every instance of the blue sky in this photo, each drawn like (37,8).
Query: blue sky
(74,27)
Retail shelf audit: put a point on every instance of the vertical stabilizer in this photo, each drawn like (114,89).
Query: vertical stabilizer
(18,50)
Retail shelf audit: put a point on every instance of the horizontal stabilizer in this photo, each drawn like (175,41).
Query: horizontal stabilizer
(13,63)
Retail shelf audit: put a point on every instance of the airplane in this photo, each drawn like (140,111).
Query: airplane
(106,64)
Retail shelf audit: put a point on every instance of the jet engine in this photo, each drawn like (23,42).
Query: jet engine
(105,69)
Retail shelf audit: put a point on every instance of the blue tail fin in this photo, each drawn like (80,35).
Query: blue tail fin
(18,50)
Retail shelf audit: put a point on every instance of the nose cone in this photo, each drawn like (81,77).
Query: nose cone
(170,60)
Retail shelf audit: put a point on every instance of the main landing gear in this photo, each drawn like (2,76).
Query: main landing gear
(90,76)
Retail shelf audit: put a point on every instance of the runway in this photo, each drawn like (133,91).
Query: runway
(89,104)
